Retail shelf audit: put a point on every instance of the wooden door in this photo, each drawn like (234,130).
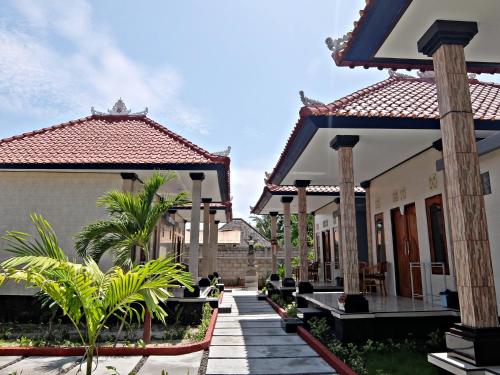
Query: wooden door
(327,257)
(405,239)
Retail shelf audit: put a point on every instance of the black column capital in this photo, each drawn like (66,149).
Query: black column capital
(129,176)
(206,200)
(344,141)
(365,184)
(446,32)
(302,183)
(273,213)
(337,200)
(212,212)
(197,176)
(286,199)
(216,222)
(438,145)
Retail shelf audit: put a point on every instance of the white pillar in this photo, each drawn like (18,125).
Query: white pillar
(194,243)
(214,243)
(287,235)
(301,186)
(206,237)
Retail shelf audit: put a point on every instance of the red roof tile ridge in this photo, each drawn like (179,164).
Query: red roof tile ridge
(185,142)
(346,100)
(44,130)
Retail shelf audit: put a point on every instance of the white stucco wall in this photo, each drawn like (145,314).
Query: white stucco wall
(410,183)
(66,200)
(491,163)
(324,221)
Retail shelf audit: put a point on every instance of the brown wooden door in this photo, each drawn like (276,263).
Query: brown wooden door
(406,250)
(327,255)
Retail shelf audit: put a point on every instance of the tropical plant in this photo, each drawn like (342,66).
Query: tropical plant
(263,225)
(87,296)
(133,218)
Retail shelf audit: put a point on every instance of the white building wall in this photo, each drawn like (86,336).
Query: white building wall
(411,182)
(66,200)
(491,163)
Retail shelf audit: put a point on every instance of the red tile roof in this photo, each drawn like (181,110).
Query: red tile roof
(399,96)
(104,140)
(314,189)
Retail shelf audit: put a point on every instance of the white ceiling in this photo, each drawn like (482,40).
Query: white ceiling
(314,202)
(377,151)
(421,14)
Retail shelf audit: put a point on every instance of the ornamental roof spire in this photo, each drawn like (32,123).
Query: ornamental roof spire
(119,109)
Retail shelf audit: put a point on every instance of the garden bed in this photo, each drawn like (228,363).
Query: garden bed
(187,340)
(373,358)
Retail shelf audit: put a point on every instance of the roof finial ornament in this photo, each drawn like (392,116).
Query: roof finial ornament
(338,44)
(308,101)
(119,109)
(393,73)
(429,74)
(223,153)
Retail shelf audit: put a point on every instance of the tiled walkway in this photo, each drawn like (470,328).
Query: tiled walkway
(250,340)
(174,365)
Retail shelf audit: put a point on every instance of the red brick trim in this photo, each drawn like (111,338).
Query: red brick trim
(120,351)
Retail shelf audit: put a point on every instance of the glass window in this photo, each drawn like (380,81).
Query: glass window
(379,237)
(437,233)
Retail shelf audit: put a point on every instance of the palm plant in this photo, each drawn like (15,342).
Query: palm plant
(85,294)
(133,217)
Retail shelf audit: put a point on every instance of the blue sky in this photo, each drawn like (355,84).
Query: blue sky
(219,73)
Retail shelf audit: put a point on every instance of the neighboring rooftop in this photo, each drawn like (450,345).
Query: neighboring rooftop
(247,230)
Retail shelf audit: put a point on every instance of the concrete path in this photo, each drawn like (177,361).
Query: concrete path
(174,365)
(250,341)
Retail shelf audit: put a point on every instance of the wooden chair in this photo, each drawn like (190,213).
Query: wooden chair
(375,276)
(313,270)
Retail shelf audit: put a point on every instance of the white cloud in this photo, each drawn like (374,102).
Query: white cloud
(246,187)
(37,77)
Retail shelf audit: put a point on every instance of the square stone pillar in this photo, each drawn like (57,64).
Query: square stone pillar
(371,256)
(301,186)
(274,242)
(212,244)
(444,41)
(206,237)
(287,235)
(354,302)
(194,243)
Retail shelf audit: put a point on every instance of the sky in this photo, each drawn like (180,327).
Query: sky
(220,73)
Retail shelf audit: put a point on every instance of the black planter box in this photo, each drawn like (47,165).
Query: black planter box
(290,324)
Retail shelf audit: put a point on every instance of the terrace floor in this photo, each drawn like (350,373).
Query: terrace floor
(250,340)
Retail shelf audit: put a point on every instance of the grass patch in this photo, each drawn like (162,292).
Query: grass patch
(402,362)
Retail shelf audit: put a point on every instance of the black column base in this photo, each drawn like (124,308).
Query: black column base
(305,287)
(478,346)
(274,277)
(353,303)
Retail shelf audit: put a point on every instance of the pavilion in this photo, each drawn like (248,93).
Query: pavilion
(452,38)
(60,172)
(322,202)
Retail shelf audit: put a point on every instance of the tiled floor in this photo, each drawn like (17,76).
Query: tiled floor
(381,305)
(250,341)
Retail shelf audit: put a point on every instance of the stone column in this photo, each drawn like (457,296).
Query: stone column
(469,230)
(301,186)
(344,144)
(173,242)
(371,257)
(274,242)
(287,235)
(194,243)
(213,244)
(445,41)
(206,237)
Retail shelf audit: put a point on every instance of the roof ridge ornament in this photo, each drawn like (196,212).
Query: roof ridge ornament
(338,44)
(223,153)
(119,109)
(395,74)
(308,101)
